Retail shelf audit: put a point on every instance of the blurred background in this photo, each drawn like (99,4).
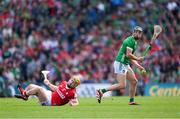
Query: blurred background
(82,37)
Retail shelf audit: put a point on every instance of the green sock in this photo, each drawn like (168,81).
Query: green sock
(103,90)
(131,100)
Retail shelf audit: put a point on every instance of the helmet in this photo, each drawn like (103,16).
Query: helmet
(138,28)
(76,79)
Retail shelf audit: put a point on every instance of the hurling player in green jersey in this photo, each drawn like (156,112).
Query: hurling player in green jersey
(122,67)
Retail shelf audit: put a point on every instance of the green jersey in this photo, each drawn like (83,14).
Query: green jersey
(128,42)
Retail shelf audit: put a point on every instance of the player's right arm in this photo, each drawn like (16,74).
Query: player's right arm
(50,85)
(130,55)
(141,68)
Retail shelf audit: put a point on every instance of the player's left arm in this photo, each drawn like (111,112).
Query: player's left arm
(131,56)
(74,101)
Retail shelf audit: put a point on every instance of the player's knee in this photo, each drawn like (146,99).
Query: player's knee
(122,86)
(134,82)
(40,89)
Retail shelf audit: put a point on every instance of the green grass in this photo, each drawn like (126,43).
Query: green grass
(113,107)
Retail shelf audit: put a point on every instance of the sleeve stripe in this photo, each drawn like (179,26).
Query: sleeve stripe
(130,48)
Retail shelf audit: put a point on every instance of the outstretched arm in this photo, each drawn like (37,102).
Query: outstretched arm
(74,101)
(134,62)
(51,86)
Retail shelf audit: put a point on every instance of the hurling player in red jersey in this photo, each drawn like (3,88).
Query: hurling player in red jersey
(59,95)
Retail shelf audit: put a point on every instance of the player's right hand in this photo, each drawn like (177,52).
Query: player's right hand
(140,59)
(46,81)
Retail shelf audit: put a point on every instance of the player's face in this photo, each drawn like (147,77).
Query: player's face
(72,83)
(138,34)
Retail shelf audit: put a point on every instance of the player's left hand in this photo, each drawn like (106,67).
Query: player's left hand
(143,71)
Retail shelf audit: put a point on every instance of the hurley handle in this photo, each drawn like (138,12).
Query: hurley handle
(147,49)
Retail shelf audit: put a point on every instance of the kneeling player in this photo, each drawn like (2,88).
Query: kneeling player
(59,95)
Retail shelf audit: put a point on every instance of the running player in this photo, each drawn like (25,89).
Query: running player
(59,95)
(122,67)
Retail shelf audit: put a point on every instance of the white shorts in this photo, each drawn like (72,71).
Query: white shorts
(48,95)
(120,68)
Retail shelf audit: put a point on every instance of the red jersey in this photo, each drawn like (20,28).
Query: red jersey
(63,94)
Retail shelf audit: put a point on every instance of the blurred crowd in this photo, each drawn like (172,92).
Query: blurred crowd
(82,37)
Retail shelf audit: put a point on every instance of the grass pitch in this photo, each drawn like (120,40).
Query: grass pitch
(113,107)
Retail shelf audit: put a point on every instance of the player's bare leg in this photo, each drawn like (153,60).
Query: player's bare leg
(29,87)
(32,90)
(133,85)
(121,78)
(36,90)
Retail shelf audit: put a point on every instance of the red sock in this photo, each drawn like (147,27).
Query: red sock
(24,93)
